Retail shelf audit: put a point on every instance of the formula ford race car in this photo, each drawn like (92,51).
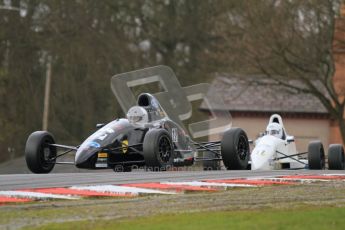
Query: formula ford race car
(275,149)
(147,137)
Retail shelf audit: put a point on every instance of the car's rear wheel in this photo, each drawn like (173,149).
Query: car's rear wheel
(39,154)
(316,155)
(209,164)
(235,149)
(158,150)
(336,157)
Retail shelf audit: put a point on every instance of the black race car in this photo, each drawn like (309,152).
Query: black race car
(146,138)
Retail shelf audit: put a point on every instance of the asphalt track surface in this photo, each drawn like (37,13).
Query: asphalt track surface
(25,181)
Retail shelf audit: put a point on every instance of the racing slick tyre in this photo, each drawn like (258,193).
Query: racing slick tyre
(316,155)
(235,149)
(38,152)
(210,164)
(158,150)
(336,157)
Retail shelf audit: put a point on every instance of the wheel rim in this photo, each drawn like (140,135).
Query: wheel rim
(242,147)
(165,150)
(46,153)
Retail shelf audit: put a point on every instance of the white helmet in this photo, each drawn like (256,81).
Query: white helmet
(137,116)
(275,129)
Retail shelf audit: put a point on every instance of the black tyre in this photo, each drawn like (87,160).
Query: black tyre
(158,150)
(316,155)
(336,157)
(209,164)
(235,149)
(38,152)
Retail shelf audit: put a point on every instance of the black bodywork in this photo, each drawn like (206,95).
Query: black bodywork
(120,143)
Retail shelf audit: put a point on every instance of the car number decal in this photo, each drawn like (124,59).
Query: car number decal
(174,135)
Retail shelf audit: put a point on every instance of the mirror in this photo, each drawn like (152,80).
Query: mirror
(290,139)
(98,126)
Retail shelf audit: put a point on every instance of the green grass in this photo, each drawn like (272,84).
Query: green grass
(315,217)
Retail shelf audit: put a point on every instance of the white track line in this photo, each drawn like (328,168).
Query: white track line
(36,195)
(291,179)
(120,189)
(295,179)
(200,183)
(335,174)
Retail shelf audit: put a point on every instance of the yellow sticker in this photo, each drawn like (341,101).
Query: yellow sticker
(102,155)
(124,146)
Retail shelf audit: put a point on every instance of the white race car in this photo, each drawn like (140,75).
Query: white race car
(275,149)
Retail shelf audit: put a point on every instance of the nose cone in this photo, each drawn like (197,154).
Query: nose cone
(86,154)
(261,160)
(83,157)
(79,160)
(263,154)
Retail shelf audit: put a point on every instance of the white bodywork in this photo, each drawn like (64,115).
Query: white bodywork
(268,149)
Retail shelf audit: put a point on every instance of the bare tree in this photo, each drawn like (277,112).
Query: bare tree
(89,41)
(287,40)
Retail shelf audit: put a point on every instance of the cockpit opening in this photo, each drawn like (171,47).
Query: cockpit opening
(143,100)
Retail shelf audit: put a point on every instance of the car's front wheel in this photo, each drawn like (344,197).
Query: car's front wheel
(235,149)
(158,150)
(39,154)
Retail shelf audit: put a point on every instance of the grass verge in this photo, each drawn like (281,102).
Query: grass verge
(306,218)
(280,207)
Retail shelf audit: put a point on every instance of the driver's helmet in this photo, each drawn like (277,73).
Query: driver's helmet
(137,116)
(275,129)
